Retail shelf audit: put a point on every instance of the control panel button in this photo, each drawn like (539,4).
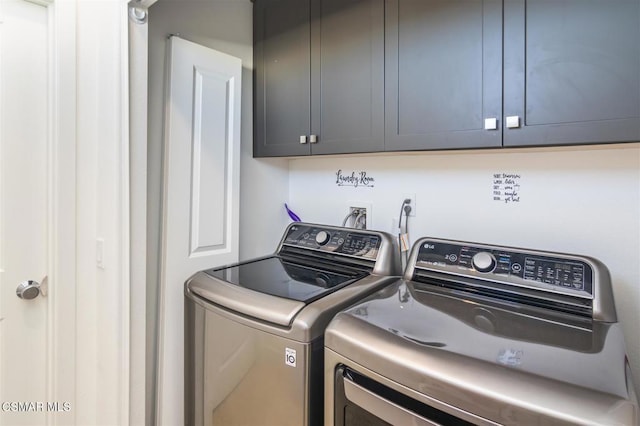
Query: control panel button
(484,262)
(322,237)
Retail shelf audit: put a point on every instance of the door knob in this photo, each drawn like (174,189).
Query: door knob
(28,290)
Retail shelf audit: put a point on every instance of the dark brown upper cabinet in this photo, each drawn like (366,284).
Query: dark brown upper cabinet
(319,77)
(443,73)
(349,76)
(571,71)
(468,74)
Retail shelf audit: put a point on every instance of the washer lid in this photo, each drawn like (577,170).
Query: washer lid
(279,277)
(270,289)
(440,324)
(274,310)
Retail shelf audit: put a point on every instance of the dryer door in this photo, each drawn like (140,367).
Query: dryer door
(361,400)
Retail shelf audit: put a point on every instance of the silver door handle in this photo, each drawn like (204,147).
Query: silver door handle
(513,122)
(491,123)
(313,138)
(303,139)
(28,290)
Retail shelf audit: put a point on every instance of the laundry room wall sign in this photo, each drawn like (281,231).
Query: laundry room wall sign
(354,179)
(506,187)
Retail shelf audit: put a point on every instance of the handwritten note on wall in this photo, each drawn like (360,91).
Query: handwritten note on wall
(506,187)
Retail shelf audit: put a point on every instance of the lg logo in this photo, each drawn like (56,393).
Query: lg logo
(429,246)
(290,357)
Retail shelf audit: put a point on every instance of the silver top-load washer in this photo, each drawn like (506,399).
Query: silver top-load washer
(480,334)
(254,330)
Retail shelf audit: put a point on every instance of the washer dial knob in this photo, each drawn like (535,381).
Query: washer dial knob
(484,262)
(322,237)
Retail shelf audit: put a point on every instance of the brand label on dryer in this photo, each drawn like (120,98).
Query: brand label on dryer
(290,357)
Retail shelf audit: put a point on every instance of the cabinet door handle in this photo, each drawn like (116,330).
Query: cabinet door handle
(313,138)
(303,139)
(513,122)
(491,123)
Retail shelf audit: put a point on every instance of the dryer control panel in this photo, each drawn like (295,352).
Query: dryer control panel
(342,241)
(546,270)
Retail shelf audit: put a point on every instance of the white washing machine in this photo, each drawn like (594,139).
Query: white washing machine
(484,335)
(254,331)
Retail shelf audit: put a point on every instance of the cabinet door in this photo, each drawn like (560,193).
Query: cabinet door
(282,77)
(347,69)
(572,71)
(443,73)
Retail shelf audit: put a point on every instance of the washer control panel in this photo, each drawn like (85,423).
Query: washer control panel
(337,241)
(496,262)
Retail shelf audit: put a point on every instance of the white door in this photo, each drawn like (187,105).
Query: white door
(201,194)
(24,168)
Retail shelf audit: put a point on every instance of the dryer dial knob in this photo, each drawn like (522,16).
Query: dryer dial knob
(322,237)
(484,262)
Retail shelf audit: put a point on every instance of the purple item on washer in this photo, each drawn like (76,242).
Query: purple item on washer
(292,215)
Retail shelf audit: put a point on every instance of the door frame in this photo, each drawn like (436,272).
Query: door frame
(61,193)
(140,390)
(143,349)
(89,284)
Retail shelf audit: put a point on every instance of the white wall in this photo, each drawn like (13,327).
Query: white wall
(225,26)
(575,200)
